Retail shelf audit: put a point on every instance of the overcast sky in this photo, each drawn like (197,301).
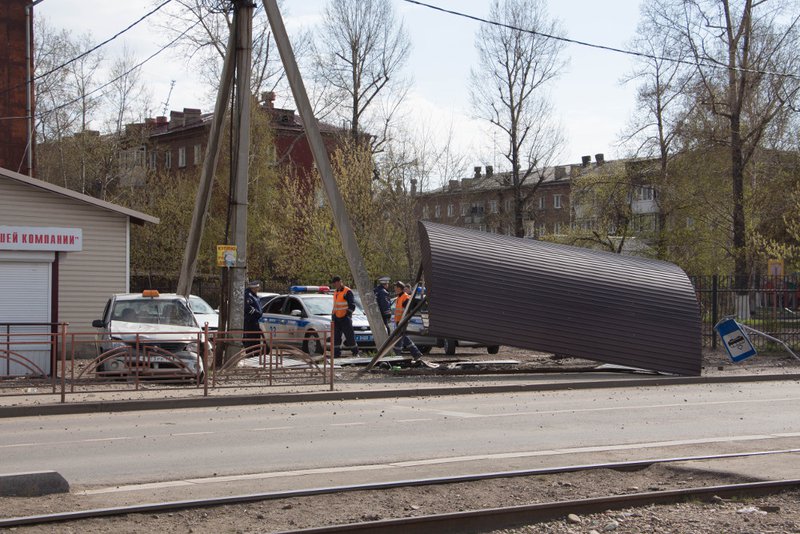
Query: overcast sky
(588,98)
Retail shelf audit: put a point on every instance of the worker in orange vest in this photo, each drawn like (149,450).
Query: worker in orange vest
(344,304)
(400,305)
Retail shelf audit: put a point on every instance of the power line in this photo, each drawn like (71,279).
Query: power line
(157,52)
(602,47)
(73,60)
(86,53)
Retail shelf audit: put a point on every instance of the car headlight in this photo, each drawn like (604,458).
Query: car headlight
(117,343)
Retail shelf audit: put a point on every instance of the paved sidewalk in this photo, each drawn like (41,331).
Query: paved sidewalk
(350,384)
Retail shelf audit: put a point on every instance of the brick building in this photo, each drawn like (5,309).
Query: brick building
(178,144)
(13,75)
(485,202)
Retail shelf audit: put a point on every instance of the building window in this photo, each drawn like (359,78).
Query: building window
(437,211)
(476,208)
(556,201)
(198,154)
(168,159)
(152,160)
(541,203)
(181,157)
(508,205)
(426,212)
(645,193)
(450,210)
(492,206)
(131,158)
(557,228)
(542,229)
(464,209)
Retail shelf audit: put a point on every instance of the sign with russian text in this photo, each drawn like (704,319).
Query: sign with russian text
(226,255)
(41,238)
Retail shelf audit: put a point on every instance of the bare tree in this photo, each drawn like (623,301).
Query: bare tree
(67,98)
(664,99)
(516,60)
(746,56)
(360,51)
(205,43)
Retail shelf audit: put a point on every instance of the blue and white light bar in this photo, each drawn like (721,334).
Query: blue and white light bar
(309,289)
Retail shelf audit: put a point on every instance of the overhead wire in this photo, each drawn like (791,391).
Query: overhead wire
(96,89)
(103,43)
(90,50)
(602,47)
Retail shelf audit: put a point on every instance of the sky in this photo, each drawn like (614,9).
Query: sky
(588,100)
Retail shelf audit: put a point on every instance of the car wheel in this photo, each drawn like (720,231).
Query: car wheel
(312,344)
(449,346)
(425,349)
(493,349)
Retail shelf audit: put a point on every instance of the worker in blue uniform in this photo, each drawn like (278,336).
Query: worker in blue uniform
(381,291)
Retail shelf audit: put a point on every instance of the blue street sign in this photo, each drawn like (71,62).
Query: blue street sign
(735,340)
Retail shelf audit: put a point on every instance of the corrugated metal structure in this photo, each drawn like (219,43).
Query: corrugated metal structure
(503,290)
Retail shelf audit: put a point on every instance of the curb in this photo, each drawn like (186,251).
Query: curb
(286,398)
(33,484)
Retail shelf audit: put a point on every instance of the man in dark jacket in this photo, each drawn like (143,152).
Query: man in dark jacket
(384,301)
(252,315)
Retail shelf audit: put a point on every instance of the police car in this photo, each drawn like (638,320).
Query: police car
(302,317)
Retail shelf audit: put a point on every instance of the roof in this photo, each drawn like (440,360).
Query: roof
(502,290)
(136,216)
(500,180)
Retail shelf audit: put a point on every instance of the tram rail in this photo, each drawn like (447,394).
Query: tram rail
(473,520)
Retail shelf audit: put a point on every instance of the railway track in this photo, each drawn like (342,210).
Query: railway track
(475,520)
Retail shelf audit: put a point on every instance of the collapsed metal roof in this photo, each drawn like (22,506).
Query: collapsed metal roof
(503,290)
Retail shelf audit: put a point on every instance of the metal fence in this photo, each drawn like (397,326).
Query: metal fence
(774,303)
(46,358)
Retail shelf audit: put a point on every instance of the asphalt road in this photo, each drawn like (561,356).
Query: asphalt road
(444,434)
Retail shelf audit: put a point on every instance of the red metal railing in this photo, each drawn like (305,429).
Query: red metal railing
(79,362)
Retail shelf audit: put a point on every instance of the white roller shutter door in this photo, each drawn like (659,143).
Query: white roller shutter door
(24,298)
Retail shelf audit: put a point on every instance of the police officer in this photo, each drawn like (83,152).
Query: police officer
(344,305)
(384,301)
(252,315)
(400,305)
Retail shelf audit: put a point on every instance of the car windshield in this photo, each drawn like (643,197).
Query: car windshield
(198,305)
(153,311)
(323,305)
(319,304)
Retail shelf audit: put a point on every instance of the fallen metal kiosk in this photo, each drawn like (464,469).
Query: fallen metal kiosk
(502,290)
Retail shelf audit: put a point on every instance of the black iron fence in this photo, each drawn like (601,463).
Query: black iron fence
(770,304)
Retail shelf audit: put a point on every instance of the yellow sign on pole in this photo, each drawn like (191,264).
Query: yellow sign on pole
(226,255)
(775,267)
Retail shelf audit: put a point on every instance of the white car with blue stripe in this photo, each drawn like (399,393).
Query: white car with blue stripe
(301,317)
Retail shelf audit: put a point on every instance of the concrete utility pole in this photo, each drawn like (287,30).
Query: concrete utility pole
(241,126)
(203,198)
(340,217)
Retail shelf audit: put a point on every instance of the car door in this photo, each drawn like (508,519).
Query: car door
(273,320)
(295,317)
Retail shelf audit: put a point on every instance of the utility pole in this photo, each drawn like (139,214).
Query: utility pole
(203,198)
(340,216)
(241,127)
